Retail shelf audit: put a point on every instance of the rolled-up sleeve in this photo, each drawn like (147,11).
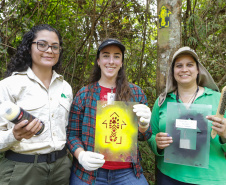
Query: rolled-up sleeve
(7,138)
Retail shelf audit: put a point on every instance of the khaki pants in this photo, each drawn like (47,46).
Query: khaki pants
(19,173)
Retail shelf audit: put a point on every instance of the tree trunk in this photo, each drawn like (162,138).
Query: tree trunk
(169,37)
(144,40)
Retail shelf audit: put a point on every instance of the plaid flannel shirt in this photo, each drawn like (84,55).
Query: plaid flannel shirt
(81,127)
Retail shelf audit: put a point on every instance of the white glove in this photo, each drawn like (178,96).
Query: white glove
(91,160)
(144,112)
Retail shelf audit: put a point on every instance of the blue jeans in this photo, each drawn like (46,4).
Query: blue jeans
(112,177)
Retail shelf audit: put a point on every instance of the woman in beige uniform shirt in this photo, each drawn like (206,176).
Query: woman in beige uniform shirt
(33,84)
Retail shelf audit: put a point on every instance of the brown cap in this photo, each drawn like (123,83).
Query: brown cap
(185,50)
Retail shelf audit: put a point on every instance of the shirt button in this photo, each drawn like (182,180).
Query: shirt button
(50,99)
(52,115)
(54,134)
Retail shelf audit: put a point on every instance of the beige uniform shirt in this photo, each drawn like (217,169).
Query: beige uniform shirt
(49,105)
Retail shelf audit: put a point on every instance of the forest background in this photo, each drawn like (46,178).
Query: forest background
(85,23)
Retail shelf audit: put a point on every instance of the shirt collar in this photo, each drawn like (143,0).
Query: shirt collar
(57,76)
(31,74)
(96,87)
(172,95)
(207,91)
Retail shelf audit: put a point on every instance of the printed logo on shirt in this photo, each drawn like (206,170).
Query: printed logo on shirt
(64,96)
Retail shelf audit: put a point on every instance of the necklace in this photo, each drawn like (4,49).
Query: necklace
(194,95)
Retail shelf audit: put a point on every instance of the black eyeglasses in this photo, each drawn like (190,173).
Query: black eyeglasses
(43,45)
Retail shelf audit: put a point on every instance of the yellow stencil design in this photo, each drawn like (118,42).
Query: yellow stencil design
(116,131)
(164,17)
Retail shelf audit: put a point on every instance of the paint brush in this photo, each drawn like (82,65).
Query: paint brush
(220,109)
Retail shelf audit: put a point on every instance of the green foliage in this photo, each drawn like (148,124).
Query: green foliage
(83,27)
(148,162)
(204,30)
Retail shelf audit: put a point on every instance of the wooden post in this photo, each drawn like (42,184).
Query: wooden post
(169,37)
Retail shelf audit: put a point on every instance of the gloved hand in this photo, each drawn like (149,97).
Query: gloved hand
(91,160)
(144,112)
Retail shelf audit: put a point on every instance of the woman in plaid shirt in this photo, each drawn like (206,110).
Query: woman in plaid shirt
(108,75)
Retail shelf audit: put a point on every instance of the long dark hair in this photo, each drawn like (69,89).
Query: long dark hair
(22,59)
(123,91)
